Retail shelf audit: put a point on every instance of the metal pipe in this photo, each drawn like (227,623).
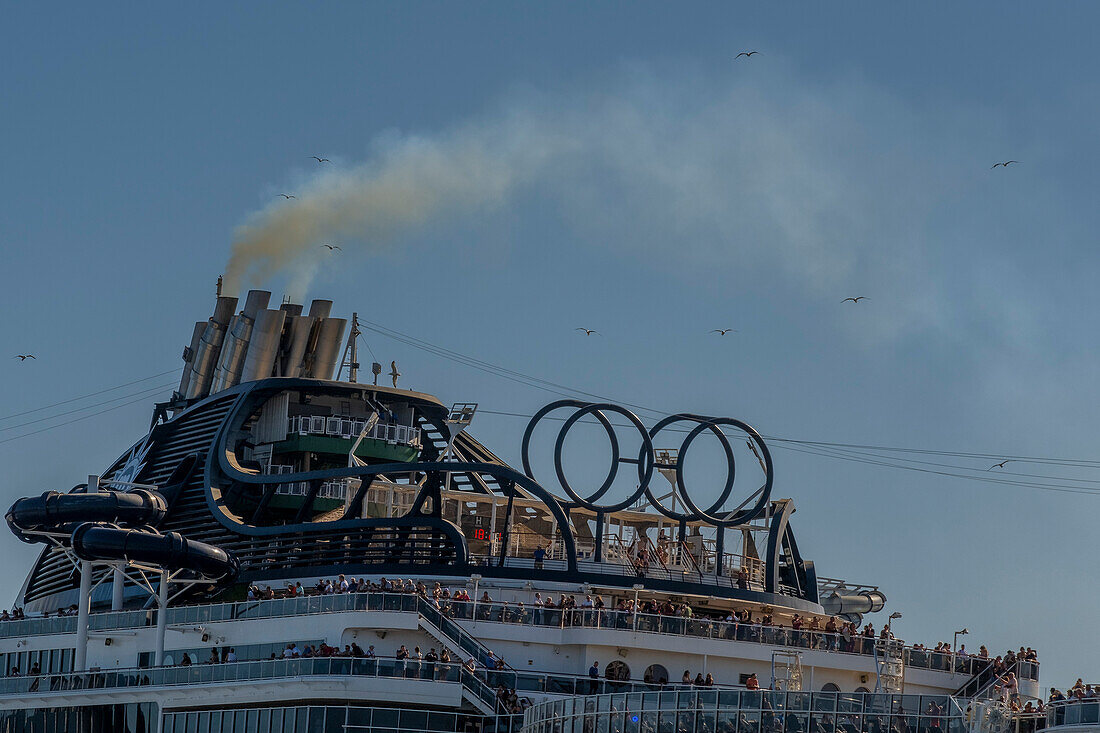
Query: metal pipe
(264,346)
(162,617)
(206,355)
(85,598)
(235,346)
(299,330)
(118,581)
(330,334)
(189,356)
(320,308)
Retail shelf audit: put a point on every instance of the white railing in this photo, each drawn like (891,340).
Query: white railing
(351,427)
(335,489)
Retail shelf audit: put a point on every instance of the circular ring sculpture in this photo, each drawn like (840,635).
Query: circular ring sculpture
(647,462)
(712,513)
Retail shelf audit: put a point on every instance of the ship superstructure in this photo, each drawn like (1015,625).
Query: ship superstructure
(316,527)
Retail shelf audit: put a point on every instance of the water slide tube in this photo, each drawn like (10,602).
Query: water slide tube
(91,521)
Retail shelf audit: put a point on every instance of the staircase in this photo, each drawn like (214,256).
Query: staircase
(980,686)
(460,642)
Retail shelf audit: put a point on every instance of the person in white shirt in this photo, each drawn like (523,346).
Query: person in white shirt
(537,603)
(288,652)
(232,655)
(370,652)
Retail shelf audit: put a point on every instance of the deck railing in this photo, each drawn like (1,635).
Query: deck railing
(350,428)
(509,613)
(1073,712)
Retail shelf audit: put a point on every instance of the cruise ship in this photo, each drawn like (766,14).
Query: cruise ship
(291,549)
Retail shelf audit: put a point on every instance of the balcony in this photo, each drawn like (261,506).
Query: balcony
(349,428)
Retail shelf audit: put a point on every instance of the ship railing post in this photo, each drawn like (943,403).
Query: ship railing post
(162,617)
(637,587)
(85,599)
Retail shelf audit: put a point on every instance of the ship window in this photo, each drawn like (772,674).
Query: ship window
(831,687)
(617,671)
(656,674)
(862,689)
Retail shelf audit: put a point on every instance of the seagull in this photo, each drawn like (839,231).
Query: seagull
(746,54)
(855,300)
(320,160)
(999,465)
(724,331)
(588,331)
(287,196)
(394,373)
(332,247)
(1004,164)
(24,357)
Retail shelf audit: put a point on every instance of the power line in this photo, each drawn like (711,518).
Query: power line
(566,391)
(513,375)
(74,420)
(90,394)
(145,392)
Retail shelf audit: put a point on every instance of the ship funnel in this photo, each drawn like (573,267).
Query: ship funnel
(320,308)
(323,361)
(189,356)
(205,355)
(228,372)
(264,345)
(298,332)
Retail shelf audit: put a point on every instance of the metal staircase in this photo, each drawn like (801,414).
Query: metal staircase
(460,642)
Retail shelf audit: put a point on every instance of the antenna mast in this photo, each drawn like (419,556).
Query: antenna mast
(352,349)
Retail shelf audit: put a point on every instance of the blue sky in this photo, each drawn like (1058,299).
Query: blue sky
(609,166)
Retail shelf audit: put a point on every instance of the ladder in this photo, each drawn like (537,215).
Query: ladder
(786,670)
(889,666)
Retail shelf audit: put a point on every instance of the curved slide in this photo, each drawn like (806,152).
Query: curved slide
(91,521)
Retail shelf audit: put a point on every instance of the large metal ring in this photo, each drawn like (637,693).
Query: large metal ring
(645,461)
(704,423)
(712,514)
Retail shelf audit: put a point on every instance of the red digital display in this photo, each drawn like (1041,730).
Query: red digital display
(480,533)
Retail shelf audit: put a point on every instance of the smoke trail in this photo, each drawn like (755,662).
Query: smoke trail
(760,173)
(406,183)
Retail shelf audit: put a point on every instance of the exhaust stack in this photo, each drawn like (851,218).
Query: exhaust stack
(210,345)
(228,373)
(264,346)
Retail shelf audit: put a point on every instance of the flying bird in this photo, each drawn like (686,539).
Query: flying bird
(320,160)
(588,331)
(1004,164)
(394,373)
(332,247)
(855,300)
(287,196)
(724,331)
(746,54)
(999,465)
(24,357)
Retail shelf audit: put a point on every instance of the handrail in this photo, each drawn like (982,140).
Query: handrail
(230,672)
(493,612)
(349,428)
(1073,711)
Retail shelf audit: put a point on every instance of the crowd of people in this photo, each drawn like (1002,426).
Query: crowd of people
(1079,691)
(807,631)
